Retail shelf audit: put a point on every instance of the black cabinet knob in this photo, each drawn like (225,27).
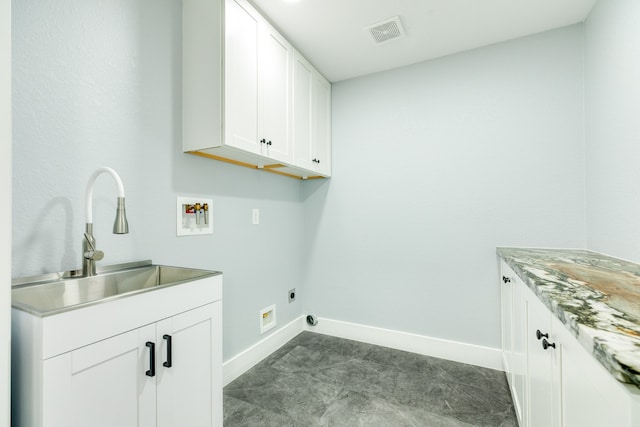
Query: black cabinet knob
(505,279)
(263,141)
(546,344)
(268,142)
(540,334)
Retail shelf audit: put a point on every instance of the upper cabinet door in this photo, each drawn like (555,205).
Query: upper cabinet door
(241,77)
(274,93)
(311,118)
(321,124)
(301,112)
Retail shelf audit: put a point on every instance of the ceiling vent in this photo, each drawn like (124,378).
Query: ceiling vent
(387,30)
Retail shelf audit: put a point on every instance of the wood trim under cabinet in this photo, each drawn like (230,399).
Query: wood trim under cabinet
(273,168)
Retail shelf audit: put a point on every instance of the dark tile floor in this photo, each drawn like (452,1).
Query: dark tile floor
(317,380)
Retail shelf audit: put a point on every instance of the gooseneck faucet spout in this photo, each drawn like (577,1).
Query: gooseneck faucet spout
(89,252)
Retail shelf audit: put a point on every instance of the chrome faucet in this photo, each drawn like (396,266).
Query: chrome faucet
(89,252)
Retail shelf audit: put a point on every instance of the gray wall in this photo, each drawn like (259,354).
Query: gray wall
(436,164)
(99,84)
(612,70)
(5,210)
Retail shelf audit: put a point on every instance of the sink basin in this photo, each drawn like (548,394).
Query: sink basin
(58,295)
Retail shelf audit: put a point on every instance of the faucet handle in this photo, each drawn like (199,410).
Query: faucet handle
(94,255)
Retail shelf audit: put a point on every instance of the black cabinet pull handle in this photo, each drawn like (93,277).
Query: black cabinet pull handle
(167,364)
(546,344)
(540,334)
(268,142)
(505,279)
(152,359)
(263,141)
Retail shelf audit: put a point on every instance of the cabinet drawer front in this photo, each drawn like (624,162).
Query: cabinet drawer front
(91,355)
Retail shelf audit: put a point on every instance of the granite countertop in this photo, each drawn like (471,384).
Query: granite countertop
(596,296)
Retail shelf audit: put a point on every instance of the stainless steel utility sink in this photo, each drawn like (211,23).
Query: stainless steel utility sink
(51,294)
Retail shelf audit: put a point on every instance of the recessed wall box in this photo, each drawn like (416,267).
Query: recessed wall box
(194,216)
(267,318)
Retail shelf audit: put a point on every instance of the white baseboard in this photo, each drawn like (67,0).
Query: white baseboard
(485,357)
(242,362)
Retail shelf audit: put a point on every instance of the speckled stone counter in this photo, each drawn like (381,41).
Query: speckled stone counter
(596,296)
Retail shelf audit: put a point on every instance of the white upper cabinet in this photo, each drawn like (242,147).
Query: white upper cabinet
(241,78)
(257,84)
(311,117)
(321,125)
(302,75)
(264,118)
(274,94)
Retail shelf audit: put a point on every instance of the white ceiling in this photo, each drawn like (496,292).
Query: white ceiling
(331,34)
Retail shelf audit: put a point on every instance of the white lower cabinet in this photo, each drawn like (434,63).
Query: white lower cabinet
(542,364)
(554,381)
(155,375)
(148,360)
(590,396)
(513,342)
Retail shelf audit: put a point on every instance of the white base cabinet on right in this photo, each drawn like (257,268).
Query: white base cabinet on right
(554,381)
(590,396)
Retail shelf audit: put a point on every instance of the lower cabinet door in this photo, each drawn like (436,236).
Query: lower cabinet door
(507,282)
(540,363)
(519,344)
(590,396)
(188,379)
(102,384)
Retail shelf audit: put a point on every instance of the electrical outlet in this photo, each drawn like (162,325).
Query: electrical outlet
(292,295)
(255,216)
